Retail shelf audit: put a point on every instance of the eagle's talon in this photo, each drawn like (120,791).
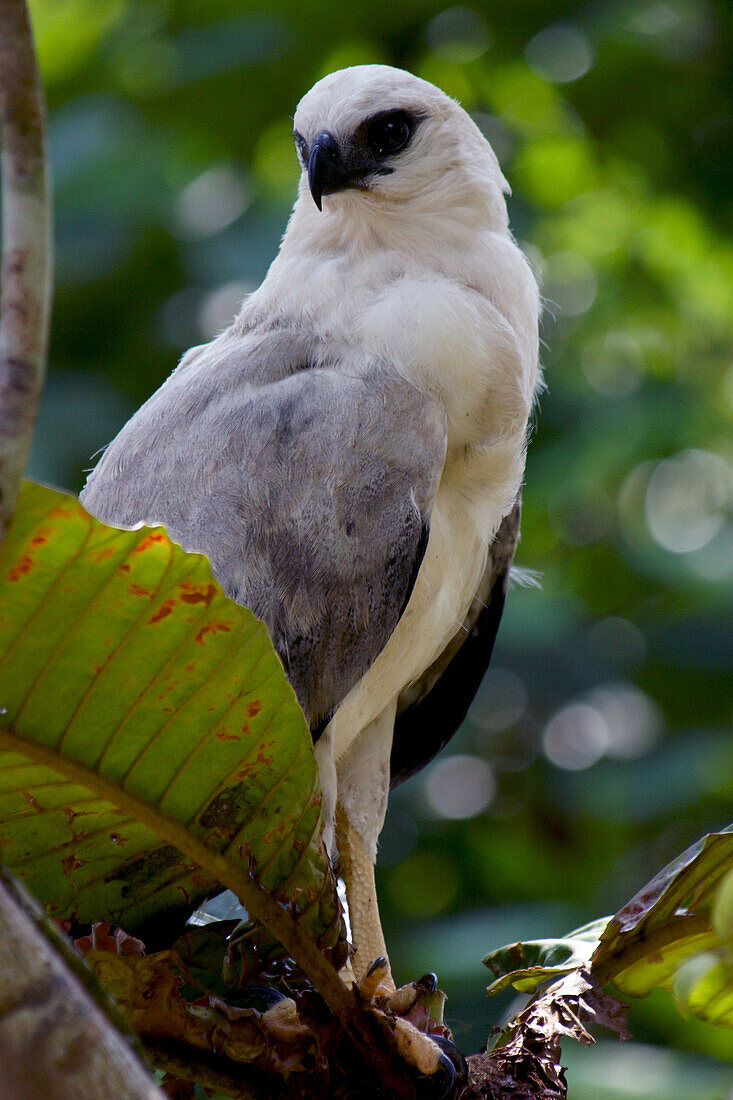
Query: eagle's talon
(378,973)
(435,1057)
(454,1055)
(420,1002)
(378,964)
(427,984)
(450,1070)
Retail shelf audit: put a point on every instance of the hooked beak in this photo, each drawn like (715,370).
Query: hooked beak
(326,171)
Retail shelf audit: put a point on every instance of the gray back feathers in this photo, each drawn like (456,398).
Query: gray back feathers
(309,488)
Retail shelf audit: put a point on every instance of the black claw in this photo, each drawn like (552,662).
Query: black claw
(449,1070)
(453,1063)
(427,984)
(378,964)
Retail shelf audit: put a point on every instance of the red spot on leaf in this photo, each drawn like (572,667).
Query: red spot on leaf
(261,758)
(151,539)
(39,540)
(124,568)
(32,801)
(222,735)
(189,668)
(254,708)
(138,590)
(211,628)
(163,612)
(275,833)
(103,554)
(71,815)
(71,863)
(197,593)
(20,568)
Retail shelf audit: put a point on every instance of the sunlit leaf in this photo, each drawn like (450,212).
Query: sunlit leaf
(703,986)
(668,921)
(149,741)
(527,965)
(672,934)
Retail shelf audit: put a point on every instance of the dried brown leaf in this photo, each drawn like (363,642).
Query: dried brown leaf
(530,1056)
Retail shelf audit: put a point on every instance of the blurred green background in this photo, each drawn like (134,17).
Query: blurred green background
(599,746)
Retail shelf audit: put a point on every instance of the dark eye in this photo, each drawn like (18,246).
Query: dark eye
(390,133)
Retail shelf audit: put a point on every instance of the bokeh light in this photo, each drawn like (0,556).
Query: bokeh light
(459,786)
(576,737)
(560,53)
(569,284)
(458,35)
(633,720)
(212,201)
(614,365)
(219,307)
(688,499)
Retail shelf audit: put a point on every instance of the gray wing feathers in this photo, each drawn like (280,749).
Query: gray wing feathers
(309,490)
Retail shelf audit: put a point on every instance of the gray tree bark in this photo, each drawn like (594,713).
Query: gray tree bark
(26,249)
(55,1040)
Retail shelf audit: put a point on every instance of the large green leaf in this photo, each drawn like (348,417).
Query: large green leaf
(703,986)
(150,744)
(676,933)
(667,921)
(527,964)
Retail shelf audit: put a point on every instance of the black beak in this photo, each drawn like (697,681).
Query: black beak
(326,171)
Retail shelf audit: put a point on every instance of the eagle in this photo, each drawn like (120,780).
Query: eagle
(349,453)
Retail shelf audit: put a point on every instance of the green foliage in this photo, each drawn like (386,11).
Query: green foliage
(147,729)
(620,178)
(674,934)
(528,964)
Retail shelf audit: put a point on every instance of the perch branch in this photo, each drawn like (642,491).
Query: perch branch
(25,301)
(55,1040)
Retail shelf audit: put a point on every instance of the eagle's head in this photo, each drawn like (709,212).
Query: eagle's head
(387,140)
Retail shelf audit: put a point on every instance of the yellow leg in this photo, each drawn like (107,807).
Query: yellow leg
(357,871)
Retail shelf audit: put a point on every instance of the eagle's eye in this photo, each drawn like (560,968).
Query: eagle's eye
(389,133)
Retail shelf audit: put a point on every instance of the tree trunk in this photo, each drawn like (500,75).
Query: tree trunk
(26,243)
(55,1040)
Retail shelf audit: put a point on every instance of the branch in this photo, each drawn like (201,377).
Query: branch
(369,1033)
(192,1065)
(55,1040)
(25,304)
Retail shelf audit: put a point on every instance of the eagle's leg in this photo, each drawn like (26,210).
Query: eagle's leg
(357,871)
(363,776)
(363,787)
